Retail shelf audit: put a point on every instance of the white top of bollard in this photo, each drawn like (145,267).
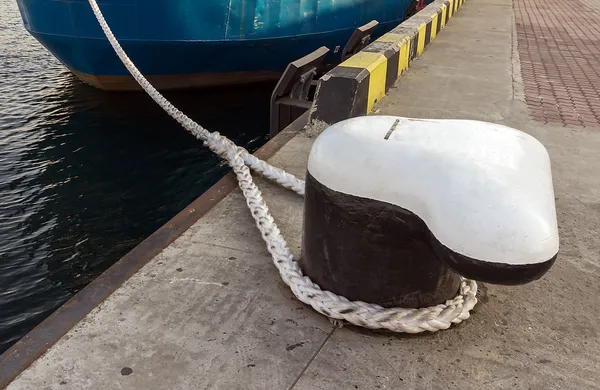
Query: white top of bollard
(484,190)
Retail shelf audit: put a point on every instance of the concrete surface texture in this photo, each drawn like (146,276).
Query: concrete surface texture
(210,312)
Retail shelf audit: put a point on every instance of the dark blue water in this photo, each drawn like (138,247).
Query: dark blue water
(86,175)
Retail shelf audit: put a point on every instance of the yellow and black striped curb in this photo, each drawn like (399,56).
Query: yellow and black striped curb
(356,85)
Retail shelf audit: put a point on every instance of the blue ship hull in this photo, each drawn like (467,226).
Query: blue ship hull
(191,43)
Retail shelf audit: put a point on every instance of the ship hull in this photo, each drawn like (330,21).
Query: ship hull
(198,43)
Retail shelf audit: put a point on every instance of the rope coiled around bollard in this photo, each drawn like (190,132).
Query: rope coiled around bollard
(358,313)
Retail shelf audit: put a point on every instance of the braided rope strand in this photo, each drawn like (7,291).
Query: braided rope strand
(327,303)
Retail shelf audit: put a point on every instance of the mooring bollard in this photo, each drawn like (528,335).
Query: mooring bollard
(397,208)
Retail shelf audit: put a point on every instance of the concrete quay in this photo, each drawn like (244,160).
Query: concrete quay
(210,311)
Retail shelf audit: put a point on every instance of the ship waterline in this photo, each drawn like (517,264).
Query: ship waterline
(181,44)
(172,82)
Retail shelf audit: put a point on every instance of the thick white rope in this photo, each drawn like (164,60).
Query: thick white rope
(327,303)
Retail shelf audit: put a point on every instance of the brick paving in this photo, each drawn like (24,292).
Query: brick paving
(559,49)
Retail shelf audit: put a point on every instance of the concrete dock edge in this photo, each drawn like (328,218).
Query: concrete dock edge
(356,85)
(35,343)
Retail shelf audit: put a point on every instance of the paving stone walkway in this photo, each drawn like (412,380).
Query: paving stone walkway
(559,47)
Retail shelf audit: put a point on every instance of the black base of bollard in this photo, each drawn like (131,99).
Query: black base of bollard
(371,251)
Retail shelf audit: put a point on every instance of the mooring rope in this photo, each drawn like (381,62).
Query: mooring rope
(327,303)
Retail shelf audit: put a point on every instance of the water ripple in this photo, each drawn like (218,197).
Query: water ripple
(86,175)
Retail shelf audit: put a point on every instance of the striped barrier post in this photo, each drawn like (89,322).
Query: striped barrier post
(357,84)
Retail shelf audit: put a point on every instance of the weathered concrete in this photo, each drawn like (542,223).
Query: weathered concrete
(211,311)
(208,312)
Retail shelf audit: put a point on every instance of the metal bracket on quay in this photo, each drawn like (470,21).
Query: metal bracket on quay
(294,93)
